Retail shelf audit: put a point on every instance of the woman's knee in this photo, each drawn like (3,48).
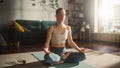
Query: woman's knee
(80,57)
(52,58)
(47,59)
(75,57)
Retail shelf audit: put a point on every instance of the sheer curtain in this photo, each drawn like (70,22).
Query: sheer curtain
(106,16)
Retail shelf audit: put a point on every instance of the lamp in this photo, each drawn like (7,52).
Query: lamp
(82,29)
(87,26)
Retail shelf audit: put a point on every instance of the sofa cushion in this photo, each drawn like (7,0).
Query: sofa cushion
(45,25)
(32,25)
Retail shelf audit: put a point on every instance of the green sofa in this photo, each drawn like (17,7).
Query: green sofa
(35,31)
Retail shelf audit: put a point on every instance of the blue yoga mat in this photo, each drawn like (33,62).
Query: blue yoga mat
(40,57)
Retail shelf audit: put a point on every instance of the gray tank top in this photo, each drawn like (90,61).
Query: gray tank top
(59,38)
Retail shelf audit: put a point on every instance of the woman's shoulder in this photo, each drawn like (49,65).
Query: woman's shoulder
(68,27)
(52,27)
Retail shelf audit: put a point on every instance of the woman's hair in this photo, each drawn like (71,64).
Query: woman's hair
(58,10)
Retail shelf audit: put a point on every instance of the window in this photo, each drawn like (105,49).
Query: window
(107,16)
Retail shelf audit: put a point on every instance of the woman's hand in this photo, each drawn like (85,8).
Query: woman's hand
(64,56)
(83,50)
(46,50)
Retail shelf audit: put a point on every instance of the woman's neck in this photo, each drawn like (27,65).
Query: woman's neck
(60,24)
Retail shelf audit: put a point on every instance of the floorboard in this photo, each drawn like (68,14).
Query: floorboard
(98,46)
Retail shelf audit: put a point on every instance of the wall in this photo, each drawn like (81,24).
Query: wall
(11,10)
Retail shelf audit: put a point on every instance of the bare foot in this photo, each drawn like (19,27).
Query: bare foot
(64,56)
(60,62)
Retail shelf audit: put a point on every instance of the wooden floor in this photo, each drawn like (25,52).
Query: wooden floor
(99,46)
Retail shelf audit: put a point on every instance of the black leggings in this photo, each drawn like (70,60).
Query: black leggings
(74,57)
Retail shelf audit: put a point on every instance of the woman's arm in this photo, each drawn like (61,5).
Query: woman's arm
(71,42)
(48,38)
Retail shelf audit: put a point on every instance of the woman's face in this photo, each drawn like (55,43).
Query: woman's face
(61,15)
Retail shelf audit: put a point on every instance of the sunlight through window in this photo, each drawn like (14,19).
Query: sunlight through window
(108,16)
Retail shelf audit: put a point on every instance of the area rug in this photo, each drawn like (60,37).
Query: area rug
(93,58)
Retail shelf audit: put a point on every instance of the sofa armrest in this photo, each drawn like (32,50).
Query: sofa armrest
(72,29)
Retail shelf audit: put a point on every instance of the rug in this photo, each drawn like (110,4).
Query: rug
(93,58)
(40,57)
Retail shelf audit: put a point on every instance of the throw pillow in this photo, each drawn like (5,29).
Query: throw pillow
(18,27)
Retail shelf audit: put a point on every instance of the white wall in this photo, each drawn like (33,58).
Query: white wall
(39,12)
(11,10)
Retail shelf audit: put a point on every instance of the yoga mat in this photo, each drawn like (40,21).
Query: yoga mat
(40,57)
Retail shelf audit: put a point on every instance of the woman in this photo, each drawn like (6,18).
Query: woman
(57,36)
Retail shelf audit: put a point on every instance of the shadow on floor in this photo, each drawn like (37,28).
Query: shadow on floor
(117,65)
(28,65)
(40,65)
